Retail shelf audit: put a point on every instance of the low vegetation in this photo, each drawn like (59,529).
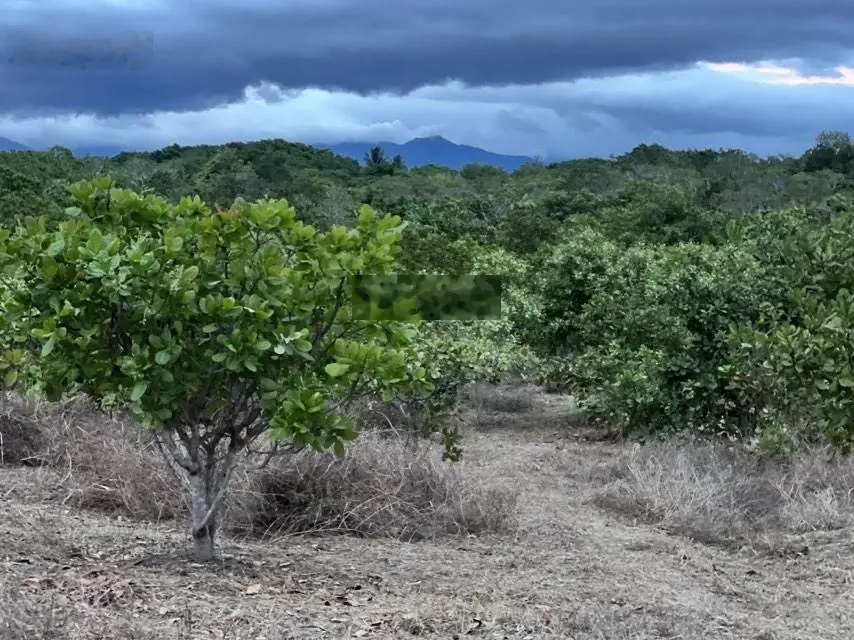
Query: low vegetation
(673,365)
(388,486)
(728,497)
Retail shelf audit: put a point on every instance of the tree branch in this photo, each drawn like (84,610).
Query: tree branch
(321,332)
(171,454)
(231,462)
(277,449)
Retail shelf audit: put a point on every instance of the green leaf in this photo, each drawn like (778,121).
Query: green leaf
(190,273)
(10,377)
(348,434)
(338,449)
(162,357)
(268,384)
(49,267)
(173,242)
(846,382)
(47,347)
(219,357)
(96,242)
(56,246)
(336,369)
(138,390)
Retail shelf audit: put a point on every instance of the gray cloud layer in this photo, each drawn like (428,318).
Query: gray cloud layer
(199,53)
(689,108)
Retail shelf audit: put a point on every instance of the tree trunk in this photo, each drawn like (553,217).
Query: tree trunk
(203,513)
(207,477)
(204,544)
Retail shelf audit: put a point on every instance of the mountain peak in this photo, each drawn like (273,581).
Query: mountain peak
(432,139)
(432,150)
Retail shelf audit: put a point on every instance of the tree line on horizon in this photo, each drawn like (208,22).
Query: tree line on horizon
(325,185)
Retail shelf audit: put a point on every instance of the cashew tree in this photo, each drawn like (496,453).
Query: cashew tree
(229,333)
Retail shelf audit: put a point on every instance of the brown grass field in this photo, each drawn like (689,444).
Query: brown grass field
(542,531)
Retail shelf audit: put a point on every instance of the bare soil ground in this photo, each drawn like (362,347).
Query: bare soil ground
(606,543)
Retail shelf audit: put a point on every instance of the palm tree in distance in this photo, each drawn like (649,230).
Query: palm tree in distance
(377,163)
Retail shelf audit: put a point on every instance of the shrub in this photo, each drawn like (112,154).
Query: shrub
(797,359)
(212,328)
(649,326)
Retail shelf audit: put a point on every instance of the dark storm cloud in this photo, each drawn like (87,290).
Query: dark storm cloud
(197,53)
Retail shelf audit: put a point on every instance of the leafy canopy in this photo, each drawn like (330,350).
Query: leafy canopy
(169,309)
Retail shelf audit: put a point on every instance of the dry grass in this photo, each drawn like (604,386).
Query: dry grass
(729,496)
(99,462)
(385,487)
(389,485)
(21,438)
(486,399)
(567,569)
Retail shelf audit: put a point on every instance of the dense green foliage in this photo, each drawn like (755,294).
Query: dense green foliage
(165,307)
(700,292)
(649,324)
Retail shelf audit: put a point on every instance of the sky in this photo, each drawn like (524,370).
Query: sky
(548,78)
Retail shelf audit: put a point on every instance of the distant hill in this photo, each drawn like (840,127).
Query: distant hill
(95,150)
(11,145)
(415,153)
(434,150)
(92,150)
